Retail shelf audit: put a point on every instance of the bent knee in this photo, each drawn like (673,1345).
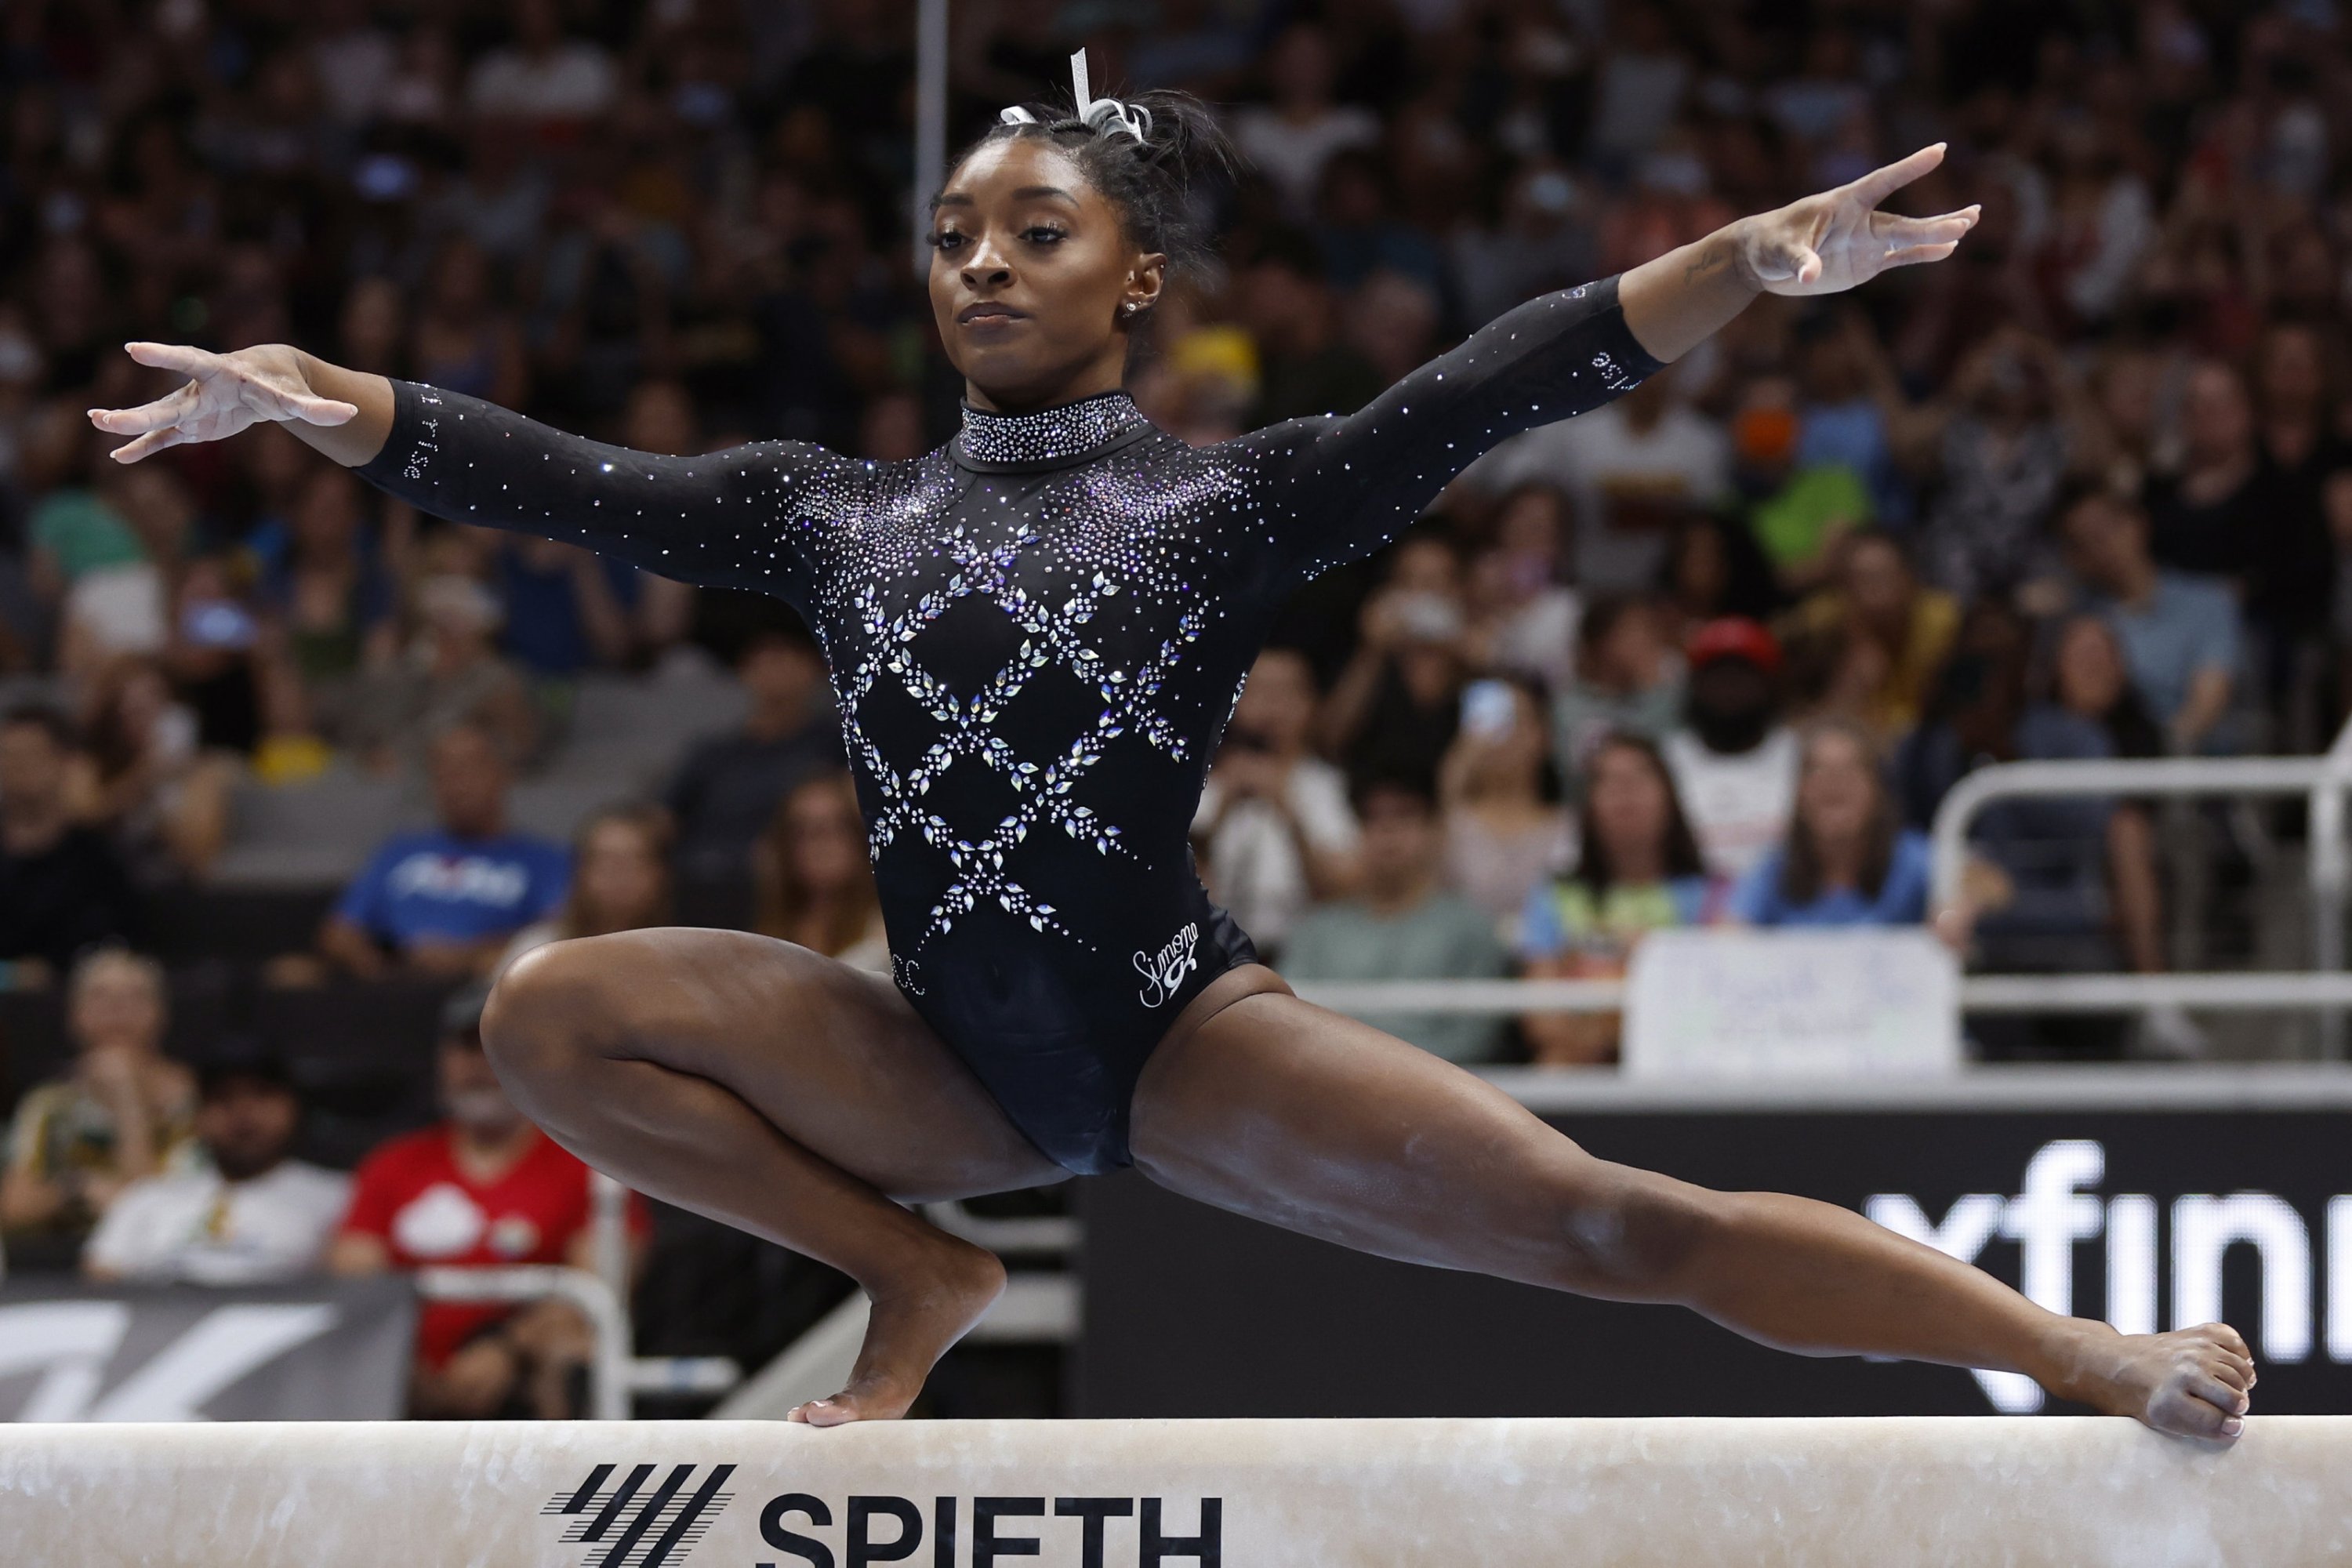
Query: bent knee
(547,1004)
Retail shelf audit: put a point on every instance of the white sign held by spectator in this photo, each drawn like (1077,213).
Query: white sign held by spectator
(1721,1003)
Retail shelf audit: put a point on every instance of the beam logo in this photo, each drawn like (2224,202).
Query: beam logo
(2059,1209)
(638,1521)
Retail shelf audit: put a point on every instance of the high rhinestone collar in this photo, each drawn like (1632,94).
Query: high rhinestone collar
(1053,436)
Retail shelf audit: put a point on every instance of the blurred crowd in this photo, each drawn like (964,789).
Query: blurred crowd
(1712,654)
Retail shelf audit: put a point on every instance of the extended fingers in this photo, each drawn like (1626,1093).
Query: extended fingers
(153,441)
(168,409)
(173,356)
(1879,184)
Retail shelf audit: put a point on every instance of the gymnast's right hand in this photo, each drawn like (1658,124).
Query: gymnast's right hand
(226,392)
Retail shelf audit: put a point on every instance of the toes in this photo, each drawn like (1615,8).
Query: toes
(2232,1371)
(2184,1412)
(2228,1338)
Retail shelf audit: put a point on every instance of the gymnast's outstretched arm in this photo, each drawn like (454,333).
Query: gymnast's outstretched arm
(1338,489)
(470,462)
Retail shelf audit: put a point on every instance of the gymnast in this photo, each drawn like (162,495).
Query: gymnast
(1036,634)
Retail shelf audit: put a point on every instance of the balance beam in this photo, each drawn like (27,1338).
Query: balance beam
(1252,1494)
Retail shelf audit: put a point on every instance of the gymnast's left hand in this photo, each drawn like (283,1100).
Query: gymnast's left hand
(1829,243)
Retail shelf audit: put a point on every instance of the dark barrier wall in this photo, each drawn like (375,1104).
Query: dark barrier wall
(2136,1216)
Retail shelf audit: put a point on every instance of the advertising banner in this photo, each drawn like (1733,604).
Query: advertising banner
(326,1350)
(2145,1218)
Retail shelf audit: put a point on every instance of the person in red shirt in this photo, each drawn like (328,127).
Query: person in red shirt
(481,1189)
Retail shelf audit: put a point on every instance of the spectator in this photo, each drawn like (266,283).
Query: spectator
(62,886)
(1637,871)
(2002,440)
(620,879)
(1630,468)
(724,795)
(1304,366)
(1505,830)
(481,1189)
(1880,638)
(328,599)
(817,881)
(566,609)
(163,801)
(1526,619)
(1848,859)
(1798,511)
(1714,568)
(1628,680)
(1735,764)
(2181,633)
(123,1111)
(2092,698)
(447,900)
(1395,706)
(452,675)
(1289,141)
(2211,517)
(1404,925)
(543,78)
(253,1215)
(1273,829)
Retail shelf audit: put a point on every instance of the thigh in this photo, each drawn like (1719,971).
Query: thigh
(832,1056)
(1298,1116)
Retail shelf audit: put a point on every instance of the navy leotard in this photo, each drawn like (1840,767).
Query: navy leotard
(1036,634)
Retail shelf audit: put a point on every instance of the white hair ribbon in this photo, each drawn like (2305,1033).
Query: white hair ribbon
(1102,115)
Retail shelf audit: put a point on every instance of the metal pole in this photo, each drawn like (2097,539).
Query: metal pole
(931,122)
(2331,880)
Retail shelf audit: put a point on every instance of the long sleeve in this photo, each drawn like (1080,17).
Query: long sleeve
(736,518)
(1339,489)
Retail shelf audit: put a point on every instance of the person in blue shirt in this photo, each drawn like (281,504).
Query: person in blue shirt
(1847,860)
(2181,636)
(446,901)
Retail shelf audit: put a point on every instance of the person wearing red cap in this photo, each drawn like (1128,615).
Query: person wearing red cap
(1734,764)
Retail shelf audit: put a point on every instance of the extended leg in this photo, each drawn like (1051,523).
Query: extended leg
(1291,1114)
(780,1093)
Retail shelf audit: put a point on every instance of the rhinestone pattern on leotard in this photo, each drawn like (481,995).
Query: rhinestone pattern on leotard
(1036,637)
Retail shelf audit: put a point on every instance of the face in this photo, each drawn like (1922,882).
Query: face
(2105,542)
(1629,802)
(660,418)
(117,1006)
(2292,374)
(1629,650)
(1399,841)
(1877,582)
(470,1092)
(1279,703)
(620,876)
(1701,573)
(1425,567)
(780,675)
(2215,417)
(1529,525)
(247,1125)
(1838,788)
(470,782)
(2090,669)
(824,837)
(32,766)
(1031,269)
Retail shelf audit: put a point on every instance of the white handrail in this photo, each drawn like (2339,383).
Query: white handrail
(608,1382)
(2143,776)
(2252,990)
(614,1373)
